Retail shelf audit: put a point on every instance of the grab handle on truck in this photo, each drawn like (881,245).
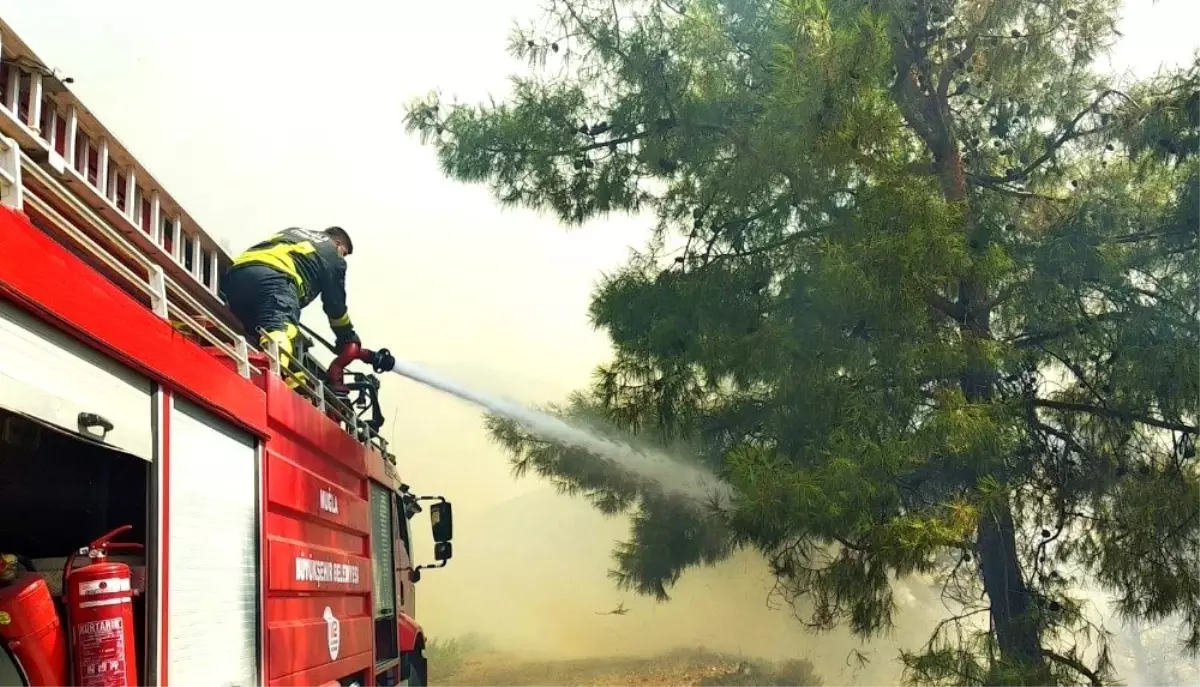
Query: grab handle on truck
(89,420)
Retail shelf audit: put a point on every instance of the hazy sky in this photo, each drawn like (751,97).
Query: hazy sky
(259,115)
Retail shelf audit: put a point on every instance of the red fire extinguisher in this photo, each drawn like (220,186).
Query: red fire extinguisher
(99,598)
(29,625)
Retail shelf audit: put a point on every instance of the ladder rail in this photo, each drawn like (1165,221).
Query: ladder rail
(48,121)
(50,173)
(52,216)
(178,306)
(230,350)
(10,173)
(179,303)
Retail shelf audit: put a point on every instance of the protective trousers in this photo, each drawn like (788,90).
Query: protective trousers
(267,304)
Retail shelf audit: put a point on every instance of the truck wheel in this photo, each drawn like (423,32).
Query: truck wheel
(418,669)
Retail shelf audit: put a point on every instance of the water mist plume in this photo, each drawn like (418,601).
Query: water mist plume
(671,475)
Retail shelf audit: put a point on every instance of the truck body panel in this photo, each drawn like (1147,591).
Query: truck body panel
(318,570)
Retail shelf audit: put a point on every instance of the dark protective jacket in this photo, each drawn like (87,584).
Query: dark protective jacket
(311,260)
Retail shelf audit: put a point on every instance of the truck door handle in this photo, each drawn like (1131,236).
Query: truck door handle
(89,420)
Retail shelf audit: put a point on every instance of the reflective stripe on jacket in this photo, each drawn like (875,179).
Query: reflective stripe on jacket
(311,259)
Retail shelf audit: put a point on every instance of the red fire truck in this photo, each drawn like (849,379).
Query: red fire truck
(170,511)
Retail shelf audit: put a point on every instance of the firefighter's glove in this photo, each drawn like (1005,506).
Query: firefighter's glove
(346,336)
(383,361)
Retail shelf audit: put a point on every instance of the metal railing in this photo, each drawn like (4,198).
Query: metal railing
(10,173)
(68,173)
(47,120)
(146,279)
(312,386)
(27,186)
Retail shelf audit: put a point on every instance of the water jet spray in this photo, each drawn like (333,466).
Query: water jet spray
(671,475)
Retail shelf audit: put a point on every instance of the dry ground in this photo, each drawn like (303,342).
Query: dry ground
(454,663)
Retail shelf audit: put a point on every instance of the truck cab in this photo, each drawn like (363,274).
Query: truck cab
(170,511)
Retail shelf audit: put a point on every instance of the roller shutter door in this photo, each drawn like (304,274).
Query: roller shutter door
(212,582)
(55,378)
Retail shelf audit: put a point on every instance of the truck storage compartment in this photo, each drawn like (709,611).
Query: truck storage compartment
(58,493)
(211,539)
(56,378)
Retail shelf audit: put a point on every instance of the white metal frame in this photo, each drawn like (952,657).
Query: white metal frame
(46,97)
(10,174)
(35,178)
(154,559)
(167,297)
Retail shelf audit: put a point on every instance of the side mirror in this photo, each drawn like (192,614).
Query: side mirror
(443,551)
(441,517)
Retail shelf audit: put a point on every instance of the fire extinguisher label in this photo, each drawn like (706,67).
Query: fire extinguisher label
(100,652)
(105,586)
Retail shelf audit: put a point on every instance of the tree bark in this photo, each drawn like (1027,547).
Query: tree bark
(926,110)
(1016,630)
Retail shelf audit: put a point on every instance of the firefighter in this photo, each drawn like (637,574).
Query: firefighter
(271,282)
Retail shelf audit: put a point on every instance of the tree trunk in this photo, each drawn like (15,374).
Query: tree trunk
(1016,630)
(927,111)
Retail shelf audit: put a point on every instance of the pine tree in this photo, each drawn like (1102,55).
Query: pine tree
(922,289)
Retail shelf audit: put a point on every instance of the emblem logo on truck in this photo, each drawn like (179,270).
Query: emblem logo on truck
(333,633)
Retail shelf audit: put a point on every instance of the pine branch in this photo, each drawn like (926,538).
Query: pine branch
(1033,339)
(1067,440)
(1076,665)
(1078,372)
(1068,135)
(584,24)
(676,9)
(950,68)
(1114,413)
(717,230)
(1140,236)
(1006,293)
(964,56)
(988,183)
(947,307)
(568,151)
